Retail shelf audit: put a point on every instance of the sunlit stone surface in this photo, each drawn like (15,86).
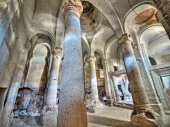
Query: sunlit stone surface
(70,63)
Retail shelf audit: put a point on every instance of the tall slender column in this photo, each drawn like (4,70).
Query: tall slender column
(52,88)
(143,113)
(51,109)
(107,82)
(93,82)
(72,109)
(13,90)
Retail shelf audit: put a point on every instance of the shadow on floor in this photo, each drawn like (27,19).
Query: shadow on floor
(29,121)
(108,121)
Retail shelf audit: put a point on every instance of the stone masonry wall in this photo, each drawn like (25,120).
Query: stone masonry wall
(12,44)
(164,8)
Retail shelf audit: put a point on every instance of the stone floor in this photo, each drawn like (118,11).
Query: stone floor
(109,117)
(104,117)
(33,121)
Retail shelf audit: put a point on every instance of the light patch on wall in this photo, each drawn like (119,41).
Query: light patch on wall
(101,73)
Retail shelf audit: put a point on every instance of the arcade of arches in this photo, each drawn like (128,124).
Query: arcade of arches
(84,63)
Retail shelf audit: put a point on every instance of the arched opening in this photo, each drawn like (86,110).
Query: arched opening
(30,97)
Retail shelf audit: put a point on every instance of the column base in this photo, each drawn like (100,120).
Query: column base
(92,108)
(7,121)
(49,117)
(148,118)
(109,102)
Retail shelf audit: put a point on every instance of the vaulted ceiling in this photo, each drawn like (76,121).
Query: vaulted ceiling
(102,22)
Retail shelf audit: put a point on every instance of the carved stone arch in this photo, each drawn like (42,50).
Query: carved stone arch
(43,42)
(85,44)
(129,26)
(42,32)
(44,45)
(111,50)
(100,53)
(131,14)
(110,41)
(98,39)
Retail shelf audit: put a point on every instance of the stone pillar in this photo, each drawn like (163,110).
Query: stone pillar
(93,82)
(72,109)
(52,88)
(143,115)
(13,91)
(107,83)
(51,109)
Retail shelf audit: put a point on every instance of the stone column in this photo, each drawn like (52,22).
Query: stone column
(93,82)
(13,91)
(72,109)
(107,82)
(52,88)
(51,109)
(143,115)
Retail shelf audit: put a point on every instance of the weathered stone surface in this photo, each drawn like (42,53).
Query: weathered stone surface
(50,118)
(13,90)
(164,7)
(142,108)
(72,111)
(50,111)
(53,84)
(93,82)
(7,11)
(148,82)
(41,22)
(136,85)
(146,119)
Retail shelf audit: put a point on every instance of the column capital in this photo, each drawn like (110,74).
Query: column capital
(125,38)
(75,5)
(56,51)
(91,58)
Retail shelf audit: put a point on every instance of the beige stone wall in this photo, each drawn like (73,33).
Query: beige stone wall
(12,45)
